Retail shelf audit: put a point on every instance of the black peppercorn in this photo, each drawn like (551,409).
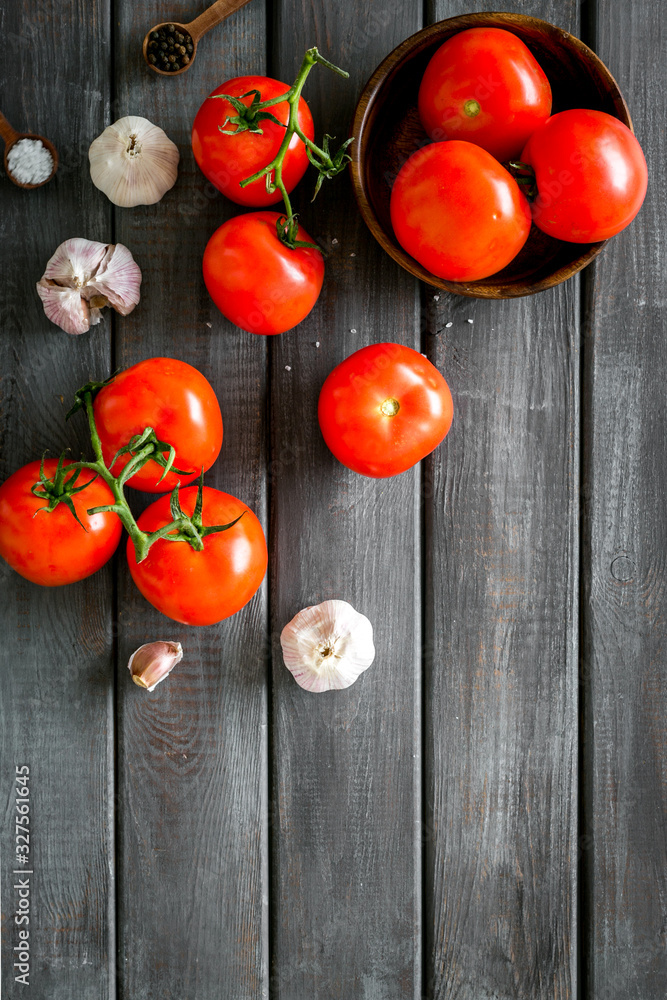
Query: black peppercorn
(176,66)
(154,36)
(163,46)
(172,59)
(185,60)
(171,28)
(152,59)
(190,47)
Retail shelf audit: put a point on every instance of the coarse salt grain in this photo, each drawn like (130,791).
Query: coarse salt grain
(449,324)
(210,326)
(470,321)
(288,368)
(30,162)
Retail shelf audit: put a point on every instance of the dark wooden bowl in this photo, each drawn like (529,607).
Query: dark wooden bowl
(387,130)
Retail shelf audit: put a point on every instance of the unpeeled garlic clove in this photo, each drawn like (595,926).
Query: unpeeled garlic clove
(116,280)
(133,162)
(327,646)
(82,276)
(153,661)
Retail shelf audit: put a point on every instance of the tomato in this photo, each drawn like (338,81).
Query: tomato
(383,409)
(458,212)
(228,159)
(591,175)
(255,280)
(50,547)
(485,86)
(179,404)
(201,587)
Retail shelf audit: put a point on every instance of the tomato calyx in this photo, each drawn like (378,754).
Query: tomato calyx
(137,447)
(248,117)
(524,175)
(190,528)
(60,488)
(286,230)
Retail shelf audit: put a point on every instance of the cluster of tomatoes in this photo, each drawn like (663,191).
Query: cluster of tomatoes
(256,281)
(486,103)
(52,531)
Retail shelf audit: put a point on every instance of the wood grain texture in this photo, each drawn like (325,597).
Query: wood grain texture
(56,673)
(501,643)
(346,765)
(192,756)
(625,603)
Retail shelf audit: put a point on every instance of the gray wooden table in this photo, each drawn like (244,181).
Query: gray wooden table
(483,814)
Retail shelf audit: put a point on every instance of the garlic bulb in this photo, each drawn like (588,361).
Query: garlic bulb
(81,277)
(151,663)
(327,646)
(133,162)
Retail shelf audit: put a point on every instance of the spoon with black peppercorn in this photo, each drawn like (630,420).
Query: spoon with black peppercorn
(170,48)
(27,156)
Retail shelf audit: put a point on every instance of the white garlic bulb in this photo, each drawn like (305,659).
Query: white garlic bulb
(153,661)
(327,646)
(133,162)
(81,277)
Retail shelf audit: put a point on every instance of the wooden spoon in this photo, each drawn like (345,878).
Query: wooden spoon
(11,137)
(216,13)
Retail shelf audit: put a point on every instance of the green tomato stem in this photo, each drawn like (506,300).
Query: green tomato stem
(275,167)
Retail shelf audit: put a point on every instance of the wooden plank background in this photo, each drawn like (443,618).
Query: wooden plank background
(446,829)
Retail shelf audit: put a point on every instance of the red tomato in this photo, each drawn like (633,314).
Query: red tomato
(228,159)
(458,212)
(591,176)
(179,404)
(255,280)
(383,409)
(50,547)
(484,86)
(201,588)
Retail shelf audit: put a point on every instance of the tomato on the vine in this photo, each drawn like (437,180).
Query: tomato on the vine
(484,86)
(201,587)
(383,409)
(179,404)
(255,280)
(226,160)
(458,212)
(51,547)
(590,173)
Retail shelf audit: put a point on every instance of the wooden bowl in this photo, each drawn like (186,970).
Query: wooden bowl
(387,129)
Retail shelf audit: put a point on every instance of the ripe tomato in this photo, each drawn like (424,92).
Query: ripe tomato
(201,588)
(179,404)
(458,212)
(591,175)
(255,280)
(383,409)
(228,159)
(50,547)
(484,86)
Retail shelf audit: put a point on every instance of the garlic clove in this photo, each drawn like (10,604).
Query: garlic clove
(66,308)
(81,277)
(327,646)
(152,662)
(74,262)
(133,162)
(118,279)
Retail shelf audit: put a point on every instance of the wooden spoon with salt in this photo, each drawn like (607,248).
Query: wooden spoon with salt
(217,12)
(11,137)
